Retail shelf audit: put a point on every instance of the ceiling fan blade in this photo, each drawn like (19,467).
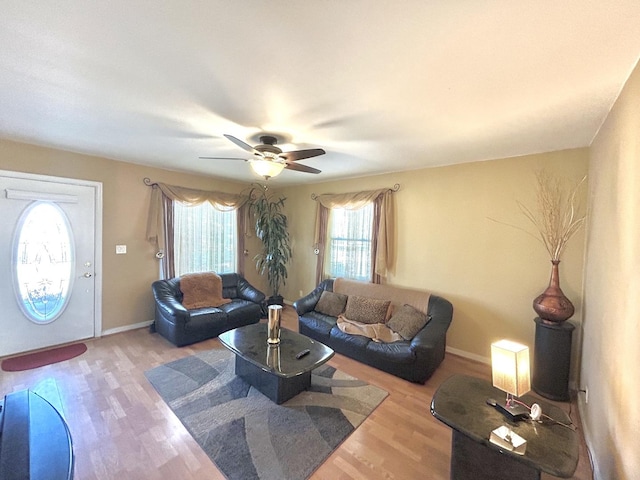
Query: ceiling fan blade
(223,158)
(242,145)
(300,154)
(301,168)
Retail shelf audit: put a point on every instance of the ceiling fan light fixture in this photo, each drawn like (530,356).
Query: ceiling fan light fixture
(268,160)
(266,168)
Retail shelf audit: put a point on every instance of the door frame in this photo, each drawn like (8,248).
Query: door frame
(97,262)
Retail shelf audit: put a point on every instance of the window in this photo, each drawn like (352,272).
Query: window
(43,259)
(350,243)
(205,239)
(357,242)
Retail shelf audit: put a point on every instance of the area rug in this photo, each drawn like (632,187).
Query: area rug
(248,436)
(42,358)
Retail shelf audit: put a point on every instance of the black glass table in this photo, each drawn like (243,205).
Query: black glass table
(461,403)
(274,370)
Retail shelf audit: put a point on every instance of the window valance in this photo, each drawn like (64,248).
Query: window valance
(350,201)
(161,197)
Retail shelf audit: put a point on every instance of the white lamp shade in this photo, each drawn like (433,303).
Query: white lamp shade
(510,367)
(266,168)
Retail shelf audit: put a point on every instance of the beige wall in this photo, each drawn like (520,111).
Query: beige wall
(611,347)
(446,244)
(126,295)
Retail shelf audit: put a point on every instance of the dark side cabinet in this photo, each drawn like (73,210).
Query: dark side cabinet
(552,360)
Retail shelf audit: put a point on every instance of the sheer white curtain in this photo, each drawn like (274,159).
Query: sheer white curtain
(160,224)
(350,243)
(205,239)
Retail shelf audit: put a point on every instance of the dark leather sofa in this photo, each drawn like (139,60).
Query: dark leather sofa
(184,327)
(413,360)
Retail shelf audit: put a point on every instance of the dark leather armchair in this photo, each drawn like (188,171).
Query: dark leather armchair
(184,327)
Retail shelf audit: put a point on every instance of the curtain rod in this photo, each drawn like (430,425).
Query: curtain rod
(395,188)
(147,181)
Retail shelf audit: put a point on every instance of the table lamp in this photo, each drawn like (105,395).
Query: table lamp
(510,373)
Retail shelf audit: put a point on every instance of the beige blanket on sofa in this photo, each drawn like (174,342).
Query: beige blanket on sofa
(378,332)
(397,295)
(202,290)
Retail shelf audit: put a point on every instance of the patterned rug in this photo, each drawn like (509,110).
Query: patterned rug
(249,437)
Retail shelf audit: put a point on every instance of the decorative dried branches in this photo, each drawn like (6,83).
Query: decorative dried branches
(558,215)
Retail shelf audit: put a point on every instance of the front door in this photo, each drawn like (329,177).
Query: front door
(48,286)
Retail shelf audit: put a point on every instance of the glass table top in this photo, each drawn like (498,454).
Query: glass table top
(250,343)
(461,403)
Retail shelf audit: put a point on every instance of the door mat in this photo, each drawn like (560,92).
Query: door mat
(248,436)
(45,357)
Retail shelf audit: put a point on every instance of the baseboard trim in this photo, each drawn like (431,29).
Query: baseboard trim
(587,438)
(126,328)
(470,356)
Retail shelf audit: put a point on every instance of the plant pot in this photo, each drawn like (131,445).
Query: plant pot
(275,300)
(552,305)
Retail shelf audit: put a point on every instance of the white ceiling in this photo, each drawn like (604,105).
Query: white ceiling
(381,86)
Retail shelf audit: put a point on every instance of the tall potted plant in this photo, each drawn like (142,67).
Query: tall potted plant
(272,230)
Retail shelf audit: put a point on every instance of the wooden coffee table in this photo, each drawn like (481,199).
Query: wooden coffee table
(274,370)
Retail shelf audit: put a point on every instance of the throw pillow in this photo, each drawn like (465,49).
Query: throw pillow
(366,309)
(331,303)
(407,321)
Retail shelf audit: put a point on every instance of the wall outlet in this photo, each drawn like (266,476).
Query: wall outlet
(121,249)
(301,294)
(585,390)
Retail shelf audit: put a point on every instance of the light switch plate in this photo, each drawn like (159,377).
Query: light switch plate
(121,249)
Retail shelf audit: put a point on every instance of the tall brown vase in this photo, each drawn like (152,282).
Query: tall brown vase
(551,305)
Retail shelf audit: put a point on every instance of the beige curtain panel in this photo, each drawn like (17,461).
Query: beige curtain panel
(385,253)
(156,224)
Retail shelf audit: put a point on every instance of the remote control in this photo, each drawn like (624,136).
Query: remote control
(303,353)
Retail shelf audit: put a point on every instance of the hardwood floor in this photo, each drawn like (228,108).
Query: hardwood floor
(123,430)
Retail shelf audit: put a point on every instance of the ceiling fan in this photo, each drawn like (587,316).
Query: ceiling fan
(269,160)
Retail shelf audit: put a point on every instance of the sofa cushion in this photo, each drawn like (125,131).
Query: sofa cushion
(317,326)
(366,309)
(407,321)
(201,319)
(389,354)
(241,312)
(346,343)
(331,303)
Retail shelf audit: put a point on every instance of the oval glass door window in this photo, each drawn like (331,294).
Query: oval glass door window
(43,260)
